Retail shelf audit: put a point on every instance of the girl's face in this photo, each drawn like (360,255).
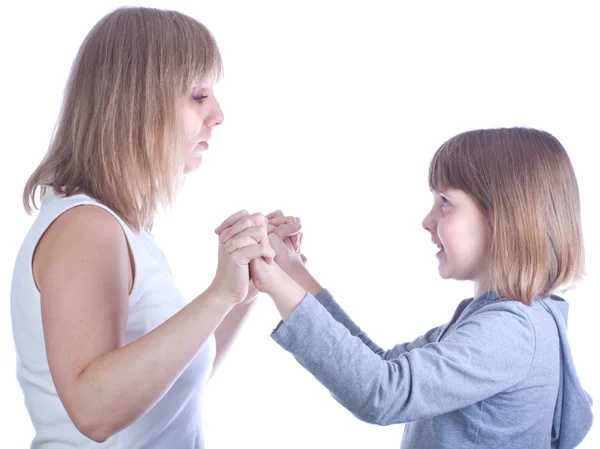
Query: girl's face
(199,112)
(463,235)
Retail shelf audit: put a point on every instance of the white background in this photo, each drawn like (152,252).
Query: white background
(333,111)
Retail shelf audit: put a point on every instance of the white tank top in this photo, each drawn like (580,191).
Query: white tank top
(175,421)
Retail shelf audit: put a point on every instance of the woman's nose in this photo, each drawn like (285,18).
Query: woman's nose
(216,116)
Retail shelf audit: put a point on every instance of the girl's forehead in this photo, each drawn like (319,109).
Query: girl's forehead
(447,191)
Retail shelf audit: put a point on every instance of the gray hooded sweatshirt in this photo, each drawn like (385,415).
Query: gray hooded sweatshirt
(498,375)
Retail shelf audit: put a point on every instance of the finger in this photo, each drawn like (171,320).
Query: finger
(279,220)
(259,219)
(269,252)
(287,230)
(274,214)
(244,255)
(231,220)
(294,242)
(255,232)
(294,238)
(273,223)
(238,242)
(277,244)
(243,224)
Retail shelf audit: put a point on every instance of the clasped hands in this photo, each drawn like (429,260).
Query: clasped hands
(255,252)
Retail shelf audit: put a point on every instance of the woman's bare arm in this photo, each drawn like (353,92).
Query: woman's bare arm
(83,269)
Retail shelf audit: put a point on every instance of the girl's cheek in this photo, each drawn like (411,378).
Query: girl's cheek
(444,227)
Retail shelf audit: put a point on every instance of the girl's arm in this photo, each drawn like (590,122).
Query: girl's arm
(487,353)
(291,263)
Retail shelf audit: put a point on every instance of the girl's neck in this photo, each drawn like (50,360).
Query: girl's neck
(481,286)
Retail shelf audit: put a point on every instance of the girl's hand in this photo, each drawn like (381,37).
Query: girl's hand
(288,244)
(277,219)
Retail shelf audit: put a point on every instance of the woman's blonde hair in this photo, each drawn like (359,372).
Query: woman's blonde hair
(524,181)
(118,135)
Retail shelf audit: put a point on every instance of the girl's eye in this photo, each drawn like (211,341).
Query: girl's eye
(444,200)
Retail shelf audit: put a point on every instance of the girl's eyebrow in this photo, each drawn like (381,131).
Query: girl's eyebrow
(448,193)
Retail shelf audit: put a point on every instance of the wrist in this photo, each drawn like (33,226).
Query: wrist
(286,293)
(218,300)
(274,279)
(302,277)
(247,303)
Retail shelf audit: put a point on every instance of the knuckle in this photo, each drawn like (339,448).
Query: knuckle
(258,219)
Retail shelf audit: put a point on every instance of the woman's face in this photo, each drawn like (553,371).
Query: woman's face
(199,113)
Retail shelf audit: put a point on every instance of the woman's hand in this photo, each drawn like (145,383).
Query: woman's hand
(242,238)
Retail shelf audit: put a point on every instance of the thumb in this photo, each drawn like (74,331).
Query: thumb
(287,230)
(277,243)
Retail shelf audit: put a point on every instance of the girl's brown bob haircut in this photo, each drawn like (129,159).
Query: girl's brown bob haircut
(524,181)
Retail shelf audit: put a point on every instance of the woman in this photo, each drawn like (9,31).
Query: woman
(110,354)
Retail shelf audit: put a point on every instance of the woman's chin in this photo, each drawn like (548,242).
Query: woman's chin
(192,165)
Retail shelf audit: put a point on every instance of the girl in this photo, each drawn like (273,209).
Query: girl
(500,374)
(108,349)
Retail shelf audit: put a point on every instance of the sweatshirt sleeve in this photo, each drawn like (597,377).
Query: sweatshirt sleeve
(338,314)
(485,354)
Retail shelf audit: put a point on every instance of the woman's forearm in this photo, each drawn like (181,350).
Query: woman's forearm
(118,388)
(229,329)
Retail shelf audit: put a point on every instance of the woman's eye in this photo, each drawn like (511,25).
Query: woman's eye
(199,98)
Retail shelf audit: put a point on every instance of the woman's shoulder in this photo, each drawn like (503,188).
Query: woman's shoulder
(86,222)
(85,232)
